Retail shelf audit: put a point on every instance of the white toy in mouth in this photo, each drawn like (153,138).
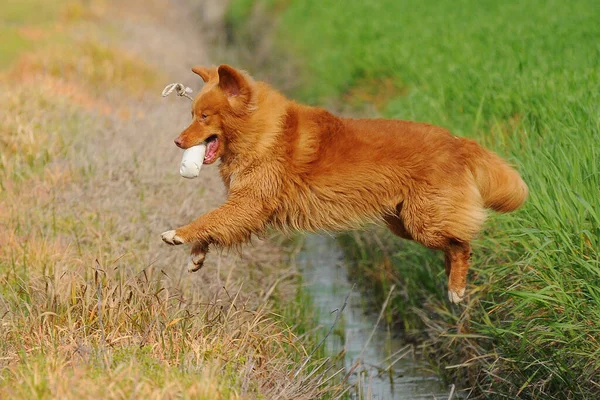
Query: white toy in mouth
(192,161)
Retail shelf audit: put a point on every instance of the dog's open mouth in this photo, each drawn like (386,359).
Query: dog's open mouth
(212,147)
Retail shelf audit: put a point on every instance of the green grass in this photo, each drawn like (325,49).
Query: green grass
(523,78)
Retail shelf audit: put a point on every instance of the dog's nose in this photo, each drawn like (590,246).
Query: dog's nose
(178,142)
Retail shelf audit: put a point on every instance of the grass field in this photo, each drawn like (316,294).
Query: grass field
(522,77)
(92,304)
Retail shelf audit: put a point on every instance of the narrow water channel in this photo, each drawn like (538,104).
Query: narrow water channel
(389,369)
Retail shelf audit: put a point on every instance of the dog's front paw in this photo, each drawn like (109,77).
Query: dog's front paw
(196,262)
(197,257)
(456,296)
(170,237)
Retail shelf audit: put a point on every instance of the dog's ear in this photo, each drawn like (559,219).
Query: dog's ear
(236,85)
(205,73)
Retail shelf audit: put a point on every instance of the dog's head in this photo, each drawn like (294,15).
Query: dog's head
(226,97)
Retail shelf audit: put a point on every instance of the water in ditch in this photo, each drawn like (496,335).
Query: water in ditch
(389,368)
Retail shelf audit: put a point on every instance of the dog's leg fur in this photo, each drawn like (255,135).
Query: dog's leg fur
(231,224)
(457,264)
(412,222)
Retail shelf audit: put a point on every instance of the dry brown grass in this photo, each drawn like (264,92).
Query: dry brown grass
(93,305)
(68,333)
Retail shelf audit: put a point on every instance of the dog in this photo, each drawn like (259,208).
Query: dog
(295,167)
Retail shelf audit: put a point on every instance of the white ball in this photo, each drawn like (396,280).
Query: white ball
(192,161)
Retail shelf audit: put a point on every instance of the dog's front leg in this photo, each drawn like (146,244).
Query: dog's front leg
(232,223)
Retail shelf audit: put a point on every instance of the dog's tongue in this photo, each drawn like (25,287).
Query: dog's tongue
(211,149)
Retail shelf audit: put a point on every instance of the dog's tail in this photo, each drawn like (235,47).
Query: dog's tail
(501,186)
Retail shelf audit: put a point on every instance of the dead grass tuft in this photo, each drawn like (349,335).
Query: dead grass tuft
(105,320)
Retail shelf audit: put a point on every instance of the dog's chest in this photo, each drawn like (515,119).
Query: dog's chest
(228,175)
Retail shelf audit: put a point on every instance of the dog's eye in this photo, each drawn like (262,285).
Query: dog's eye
(204,116)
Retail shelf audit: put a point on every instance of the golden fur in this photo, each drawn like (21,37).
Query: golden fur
(292,166)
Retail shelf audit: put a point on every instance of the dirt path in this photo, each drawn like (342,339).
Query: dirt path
(136,187)
(137,161)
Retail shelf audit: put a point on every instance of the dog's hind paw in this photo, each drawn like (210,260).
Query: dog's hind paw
(170,237)
(456,296)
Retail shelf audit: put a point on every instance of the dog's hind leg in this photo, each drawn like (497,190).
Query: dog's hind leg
(457,257)
(446,223)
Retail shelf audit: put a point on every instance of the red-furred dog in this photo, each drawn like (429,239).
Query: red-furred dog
(287,165)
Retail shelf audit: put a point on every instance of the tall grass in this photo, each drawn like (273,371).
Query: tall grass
(523,78)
